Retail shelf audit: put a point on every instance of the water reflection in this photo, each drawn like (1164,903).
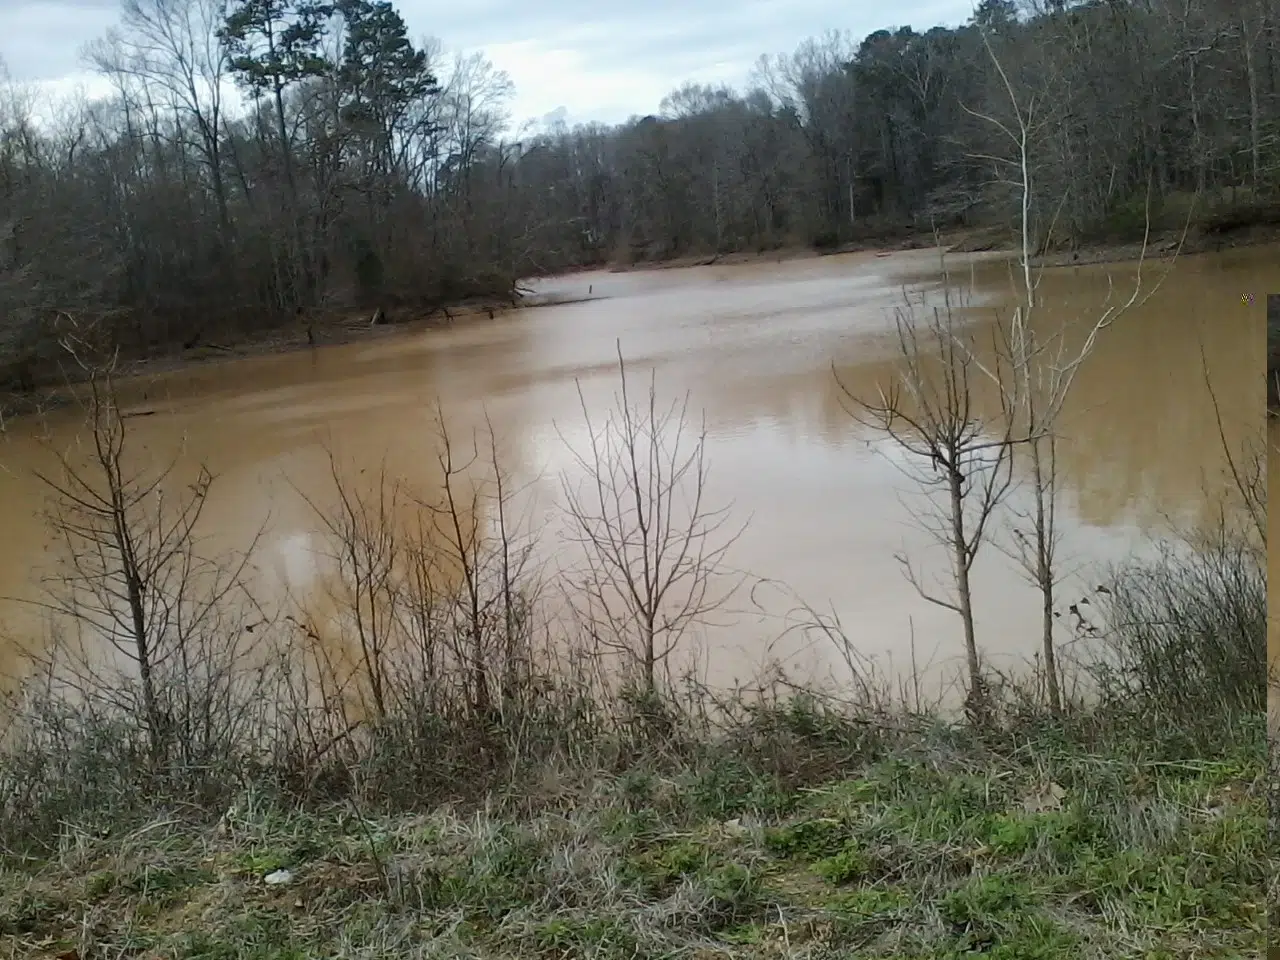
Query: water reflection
(757,347)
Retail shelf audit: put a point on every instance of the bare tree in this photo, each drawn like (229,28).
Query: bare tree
(432,587)
(133,583)
(366,547)
(1246,467)
(482,549)
(365,179)
(1037,368)
(1037,554)
(653,549)
(928,411)
(173,46)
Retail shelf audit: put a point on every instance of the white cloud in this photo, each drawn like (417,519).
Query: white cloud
(598,61)
(549,78)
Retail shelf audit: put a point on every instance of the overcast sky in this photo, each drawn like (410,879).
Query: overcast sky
(597,59)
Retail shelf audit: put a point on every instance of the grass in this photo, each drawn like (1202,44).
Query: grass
(239,817)
(1072,841)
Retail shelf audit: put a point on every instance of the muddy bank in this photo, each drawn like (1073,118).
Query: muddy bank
(1164,245)
(997,241)
(316,331)
(920,241)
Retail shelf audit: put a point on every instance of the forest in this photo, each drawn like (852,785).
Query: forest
(261,164)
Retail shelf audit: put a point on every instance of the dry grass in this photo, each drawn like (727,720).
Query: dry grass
(489,798)
(1024,843)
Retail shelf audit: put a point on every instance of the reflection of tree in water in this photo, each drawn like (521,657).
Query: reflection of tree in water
(262,426)
(1140,438)
(383,562)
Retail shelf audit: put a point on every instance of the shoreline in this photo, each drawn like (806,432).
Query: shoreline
(347,327)
(1160,245)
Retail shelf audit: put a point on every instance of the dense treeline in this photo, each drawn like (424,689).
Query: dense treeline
(368,170)
(365,170)
(908,130)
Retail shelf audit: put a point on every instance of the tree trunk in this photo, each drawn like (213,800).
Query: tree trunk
(1252,77)
(960,557)
(286,153)
(135,592)
(650,657)
(1044,574)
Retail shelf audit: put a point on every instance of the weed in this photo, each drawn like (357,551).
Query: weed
(847,866)
(808,839)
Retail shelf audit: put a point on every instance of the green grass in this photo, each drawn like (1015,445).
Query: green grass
(941,851)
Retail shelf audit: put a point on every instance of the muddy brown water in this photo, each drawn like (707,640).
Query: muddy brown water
(824,500)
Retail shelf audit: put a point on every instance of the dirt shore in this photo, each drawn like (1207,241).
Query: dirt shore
(1163,246)
(337,329)
(996,242)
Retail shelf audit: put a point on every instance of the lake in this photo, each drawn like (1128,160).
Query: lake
(769,353)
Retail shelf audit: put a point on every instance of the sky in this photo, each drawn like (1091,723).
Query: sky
(580,60)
